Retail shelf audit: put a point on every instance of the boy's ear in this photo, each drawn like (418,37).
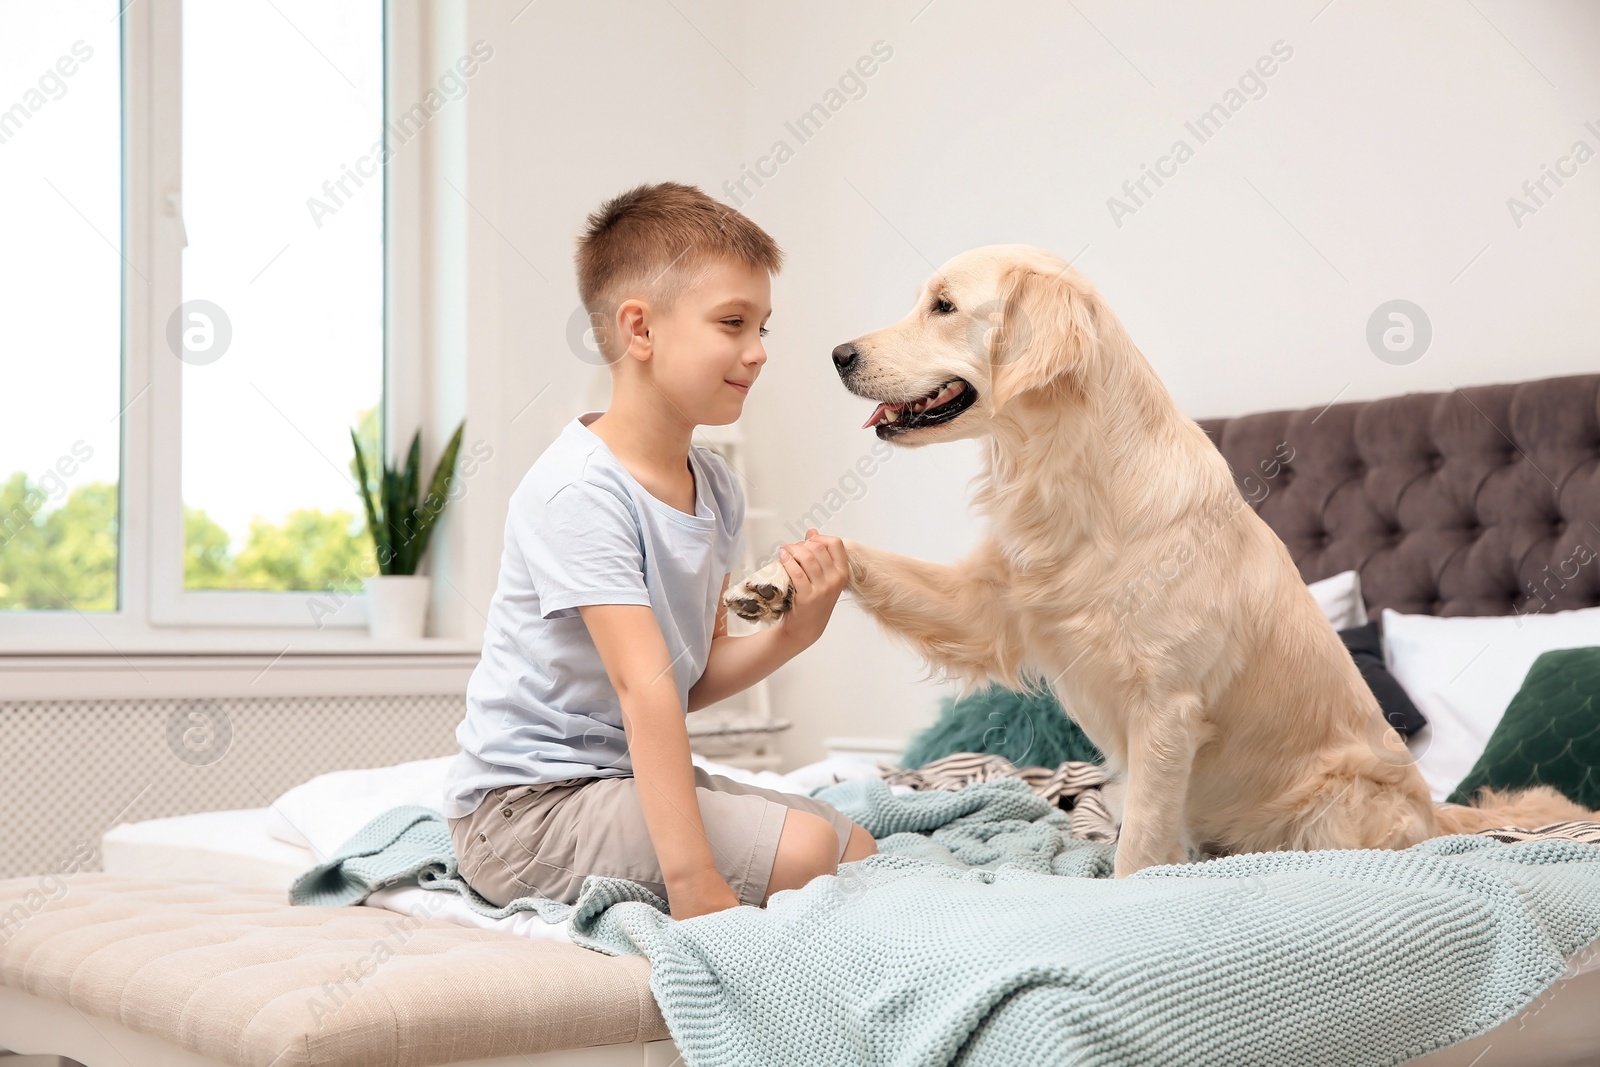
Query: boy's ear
(633,328)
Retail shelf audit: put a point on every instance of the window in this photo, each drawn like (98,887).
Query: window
(281,326)
(194,270)
(60,339)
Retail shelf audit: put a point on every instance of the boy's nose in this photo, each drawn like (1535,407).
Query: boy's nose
(844,357)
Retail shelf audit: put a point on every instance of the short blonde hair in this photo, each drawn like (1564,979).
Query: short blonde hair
(653,242)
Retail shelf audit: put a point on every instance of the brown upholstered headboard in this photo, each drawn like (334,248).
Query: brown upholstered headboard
(1481,501)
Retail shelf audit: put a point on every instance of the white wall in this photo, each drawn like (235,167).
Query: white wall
(578,103)
(1376,165)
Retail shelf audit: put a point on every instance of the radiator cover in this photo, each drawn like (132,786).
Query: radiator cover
(75,768)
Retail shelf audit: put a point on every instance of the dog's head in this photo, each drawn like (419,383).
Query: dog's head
(993,327)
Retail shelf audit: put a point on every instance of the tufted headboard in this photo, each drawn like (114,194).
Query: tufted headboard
(1481,501)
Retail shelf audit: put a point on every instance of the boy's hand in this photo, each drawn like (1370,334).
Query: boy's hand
(701,894)
(819,569)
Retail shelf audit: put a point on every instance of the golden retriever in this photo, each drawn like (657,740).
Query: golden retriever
(1123,567)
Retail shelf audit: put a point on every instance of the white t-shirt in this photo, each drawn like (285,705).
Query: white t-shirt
(581,530)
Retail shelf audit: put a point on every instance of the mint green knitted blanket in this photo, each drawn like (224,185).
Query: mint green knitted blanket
(981,934)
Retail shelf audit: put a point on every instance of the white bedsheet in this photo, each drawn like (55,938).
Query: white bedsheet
(273,846)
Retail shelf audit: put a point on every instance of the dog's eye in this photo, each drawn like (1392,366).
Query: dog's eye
(942,306)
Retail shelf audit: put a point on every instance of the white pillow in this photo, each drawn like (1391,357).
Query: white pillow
(1340,600)
(1461,672)
(325,812)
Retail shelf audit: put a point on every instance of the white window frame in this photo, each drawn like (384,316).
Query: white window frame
(155,612)
(171,604)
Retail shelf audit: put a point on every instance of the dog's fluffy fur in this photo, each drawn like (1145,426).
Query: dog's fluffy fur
(1124,567)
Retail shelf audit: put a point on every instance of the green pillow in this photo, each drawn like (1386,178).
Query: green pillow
(1550,733)
(1028,728)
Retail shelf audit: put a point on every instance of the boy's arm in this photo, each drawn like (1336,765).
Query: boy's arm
(634,652)
(819,570)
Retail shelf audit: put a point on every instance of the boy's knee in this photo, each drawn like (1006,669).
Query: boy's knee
(813,837)
(807,847)
(860,846)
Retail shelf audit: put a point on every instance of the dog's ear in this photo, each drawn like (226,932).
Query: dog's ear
(1047,334)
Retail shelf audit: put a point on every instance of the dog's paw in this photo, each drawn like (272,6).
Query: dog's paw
(764,596)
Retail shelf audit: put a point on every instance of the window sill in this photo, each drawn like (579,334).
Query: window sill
(89,636)
(354,666)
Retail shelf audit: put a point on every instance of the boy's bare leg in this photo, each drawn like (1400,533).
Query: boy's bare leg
(807,848)
(860,846)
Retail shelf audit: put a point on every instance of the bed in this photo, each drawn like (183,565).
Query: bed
(1456,503)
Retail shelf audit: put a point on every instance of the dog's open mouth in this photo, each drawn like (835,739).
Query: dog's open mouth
(939,405)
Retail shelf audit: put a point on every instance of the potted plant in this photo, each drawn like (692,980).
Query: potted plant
(401,523)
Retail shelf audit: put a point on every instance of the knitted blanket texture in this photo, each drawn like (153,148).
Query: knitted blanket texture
(983,934)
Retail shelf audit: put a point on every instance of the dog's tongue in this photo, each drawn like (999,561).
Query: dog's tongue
(876,416)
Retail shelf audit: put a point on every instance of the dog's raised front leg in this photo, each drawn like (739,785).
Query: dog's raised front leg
(954,616)
(951,615)
(1162,741)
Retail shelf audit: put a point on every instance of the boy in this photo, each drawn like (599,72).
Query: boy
(608,627)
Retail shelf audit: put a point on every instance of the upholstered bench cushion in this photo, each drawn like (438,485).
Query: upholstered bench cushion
(241,976)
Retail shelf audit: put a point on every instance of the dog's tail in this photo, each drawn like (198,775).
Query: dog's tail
(1527,809)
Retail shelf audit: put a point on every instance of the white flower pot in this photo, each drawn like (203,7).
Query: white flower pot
(397,606)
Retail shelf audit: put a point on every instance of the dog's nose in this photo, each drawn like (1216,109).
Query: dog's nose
(844,357)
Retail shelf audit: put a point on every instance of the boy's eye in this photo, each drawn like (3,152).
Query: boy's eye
(763,331)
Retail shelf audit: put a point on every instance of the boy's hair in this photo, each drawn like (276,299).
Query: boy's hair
(653,241)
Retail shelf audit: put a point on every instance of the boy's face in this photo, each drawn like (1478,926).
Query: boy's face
(706,351)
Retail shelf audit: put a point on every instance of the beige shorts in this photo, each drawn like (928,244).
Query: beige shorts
(542,840)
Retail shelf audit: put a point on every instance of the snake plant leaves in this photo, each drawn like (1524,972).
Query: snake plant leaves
(401,522)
